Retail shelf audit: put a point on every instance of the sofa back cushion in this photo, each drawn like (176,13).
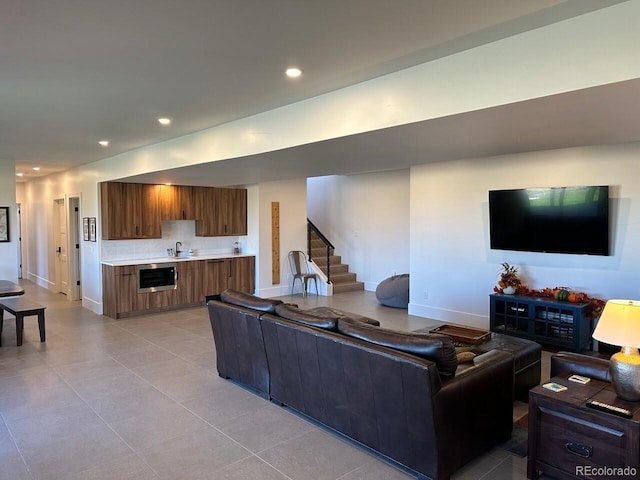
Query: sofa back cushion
(437,348)
(249,301)
(326,321)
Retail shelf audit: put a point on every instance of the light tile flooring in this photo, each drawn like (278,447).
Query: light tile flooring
(140,399)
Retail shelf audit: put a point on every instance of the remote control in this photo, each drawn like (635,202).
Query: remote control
(605,407)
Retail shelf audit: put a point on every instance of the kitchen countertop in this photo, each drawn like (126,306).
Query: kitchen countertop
(143,261)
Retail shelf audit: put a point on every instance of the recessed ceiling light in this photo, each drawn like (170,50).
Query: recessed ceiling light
(19,174)
(293,72)
(164,121)
(36,169)
(104,143)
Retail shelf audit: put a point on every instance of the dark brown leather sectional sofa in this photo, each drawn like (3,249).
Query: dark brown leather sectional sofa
(402,395)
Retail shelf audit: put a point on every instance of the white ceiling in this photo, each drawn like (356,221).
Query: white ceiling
(76,72)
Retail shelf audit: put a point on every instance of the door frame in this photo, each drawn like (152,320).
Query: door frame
(74,257)
(73,228)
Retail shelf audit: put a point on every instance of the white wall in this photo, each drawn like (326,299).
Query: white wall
(291,196)
(9,250)
(450,256)
(366,217)
(37,200)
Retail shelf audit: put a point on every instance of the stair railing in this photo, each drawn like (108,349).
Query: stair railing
(311,228)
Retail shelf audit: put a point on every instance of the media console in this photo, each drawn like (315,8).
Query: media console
(543,320)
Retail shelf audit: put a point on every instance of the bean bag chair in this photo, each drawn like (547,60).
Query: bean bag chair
(394,291)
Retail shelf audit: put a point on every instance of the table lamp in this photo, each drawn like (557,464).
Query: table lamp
(619,325)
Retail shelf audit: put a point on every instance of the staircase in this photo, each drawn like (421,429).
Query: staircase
(340,277)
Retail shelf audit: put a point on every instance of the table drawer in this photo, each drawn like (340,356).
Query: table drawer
(567,442)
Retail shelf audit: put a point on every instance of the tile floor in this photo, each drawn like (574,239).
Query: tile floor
(140,399)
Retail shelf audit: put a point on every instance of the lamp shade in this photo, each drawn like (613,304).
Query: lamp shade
(619,324)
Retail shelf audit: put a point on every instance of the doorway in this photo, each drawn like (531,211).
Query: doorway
(61,244)
(66,239)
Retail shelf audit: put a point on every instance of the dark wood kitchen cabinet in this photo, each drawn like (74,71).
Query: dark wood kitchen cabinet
(237,273)
(221,212)
(119,290)
(136,210)
(190,284)
(243,274)
(177,202)
(196,279)
(130,210)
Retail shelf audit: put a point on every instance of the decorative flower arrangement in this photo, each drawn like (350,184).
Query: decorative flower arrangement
(509,277)
(596,305)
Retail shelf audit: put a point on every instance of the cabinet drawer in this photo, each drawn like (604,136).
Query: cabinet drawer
(567,442)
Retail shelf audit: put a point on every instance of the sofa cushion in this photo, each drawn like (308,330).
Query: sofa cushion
(437,348)
(333,312)
(249,301)
(327,321)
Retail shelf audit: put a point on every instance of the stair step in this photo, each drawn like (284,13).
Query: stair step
(322,261)
(335,268)
(320,253)
(347,287)
(339,278)
(317,243)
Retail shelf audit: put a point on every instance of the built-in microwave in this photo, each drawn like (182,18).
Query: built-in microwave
(156,277)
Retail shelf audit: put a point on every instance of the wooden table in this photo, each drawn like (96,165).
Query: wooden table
(20,308)
(567,440)
(10,289)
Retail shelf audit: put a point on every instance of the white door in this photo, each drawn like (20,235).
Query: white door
(74,249)
(61,242)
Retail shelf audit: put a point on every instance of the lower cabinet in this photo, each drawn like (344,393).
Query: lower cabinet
(197,279)
(236,273)
(549,322)
(190,288)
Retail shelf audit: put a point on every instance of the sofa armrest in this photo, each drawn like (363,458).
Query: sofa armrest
(473,410)
(575,363)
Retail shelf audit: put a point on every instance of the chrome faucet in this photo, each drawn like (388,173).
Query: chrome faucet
(178,249)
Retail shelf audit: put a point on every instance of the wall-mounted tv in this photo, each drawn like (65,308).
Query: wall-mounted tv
(554,220)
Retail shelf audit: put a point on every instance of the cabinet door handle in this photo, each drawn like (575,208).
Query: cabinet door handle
(584,451)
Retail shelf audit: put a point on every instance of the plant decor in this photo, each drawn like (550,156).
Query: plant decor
(594,309)
(509,277)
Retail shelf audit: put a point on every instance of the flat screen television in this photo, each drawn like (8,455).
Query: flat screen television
(555,220)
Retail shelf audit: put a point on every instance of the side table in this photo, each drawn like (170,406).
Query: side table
(568,440)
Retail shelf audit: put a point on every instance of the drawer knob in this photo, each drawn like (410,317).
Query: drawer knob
(584,451)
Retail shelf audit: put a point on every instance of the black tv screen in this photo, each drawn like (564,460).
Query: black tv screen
(555,220)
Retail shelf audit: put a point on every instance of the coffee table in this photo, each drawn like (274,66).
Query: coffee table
(10,289)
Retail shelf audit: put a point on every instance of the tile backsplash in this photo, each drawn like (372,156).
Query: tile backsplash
(172,232)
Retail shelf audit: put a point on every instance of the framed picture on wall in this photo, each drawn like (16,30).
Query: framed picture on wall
(92,229)
(4,224)
(85,229)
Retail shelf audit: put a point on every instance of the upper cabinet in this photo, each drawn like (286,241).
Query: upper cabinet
(232,211)
(130,210)
(134,210)
(221,211)
(177,202)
